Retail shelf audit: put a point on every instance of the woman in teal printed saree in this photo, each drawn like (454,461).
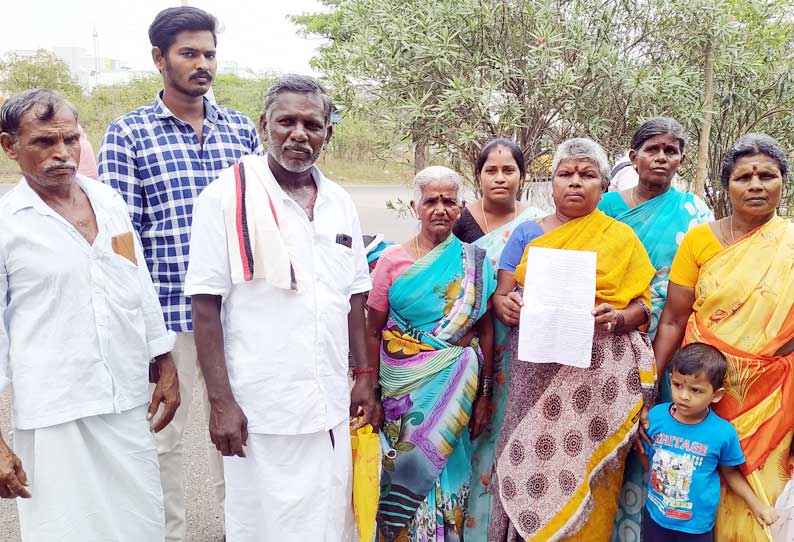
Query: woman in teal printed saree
(660,215)
(430,329)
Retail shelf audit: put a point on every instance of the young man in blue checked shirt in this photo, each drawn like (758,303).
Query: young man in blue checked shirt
(160,157)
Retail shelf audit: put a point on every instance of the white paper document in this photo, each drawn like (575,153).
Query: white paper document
(557,317)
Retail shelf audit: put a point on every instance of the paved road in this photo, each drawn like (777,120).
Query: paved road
(203,514)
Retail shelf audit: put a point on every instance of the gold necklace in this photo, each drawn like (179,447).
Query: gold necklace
(730,226)
(416,248)
(631,194)
(485,217)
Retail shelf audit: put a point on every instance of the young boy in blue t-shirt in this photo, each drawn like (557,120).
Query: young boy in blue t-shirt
(690,444)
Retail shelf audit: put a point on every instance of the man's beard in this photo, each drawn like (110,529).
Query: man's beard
(293,164)
(195,92)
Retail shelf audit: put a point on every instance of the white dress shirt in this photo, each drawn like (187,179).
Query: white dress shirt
(81,322)
(286,351)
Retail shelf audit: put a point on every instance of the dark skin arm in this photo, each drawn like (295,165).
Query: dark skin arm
(608,319)
(669,334)
(376,321)
(507,305)
(764,515)
(481,411)
(506,301)
(672,324)
(228,425)
(13,480)
(786,349)
(363,402)
(166,392)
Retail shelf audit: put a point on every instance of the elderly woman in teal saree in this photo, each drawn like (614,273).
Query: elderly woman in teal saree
(660,215)
(430,330)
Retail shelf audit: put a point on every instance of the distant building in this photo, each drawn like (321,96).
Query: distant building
(230,67)
(89,70)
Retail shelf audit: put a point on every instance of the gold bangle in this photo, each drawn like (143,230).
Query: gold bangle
(485,386)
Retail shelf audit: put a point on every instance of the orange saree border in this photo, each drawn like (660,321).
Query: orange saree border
(756,387)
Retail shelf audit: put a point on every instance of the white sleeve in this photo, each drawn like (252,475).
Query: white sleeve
(4,344)
(361,280)
(159,339)
(208,270)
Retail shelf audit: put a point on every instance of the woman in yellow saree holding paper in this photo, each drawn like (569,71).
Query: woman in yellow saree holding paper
(566,431)
(732,286)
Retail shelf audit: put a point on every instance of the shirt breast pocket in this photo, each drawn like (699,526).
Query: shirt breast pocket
(336,263)
(123,285)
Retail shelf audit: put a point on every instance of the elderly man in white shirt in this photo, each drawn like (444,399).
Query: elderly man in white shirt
(81,324)
(278,276)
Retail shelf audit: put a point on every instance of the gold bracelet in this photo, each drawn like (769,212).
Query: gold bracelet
(485,386)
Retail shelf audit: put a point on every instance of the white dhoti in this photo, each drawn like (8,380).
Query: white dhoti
(94,479)
(291,488)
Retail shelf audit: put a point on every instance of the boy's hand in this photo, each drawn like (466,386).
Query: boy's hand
(766,515)
(643,425)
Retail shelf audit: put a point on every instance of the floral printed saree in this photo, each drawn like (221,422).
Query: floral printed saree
(429,385)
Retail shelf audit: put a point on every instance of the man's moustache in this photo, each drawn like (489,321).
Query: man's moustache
(198,75)
(307,150)
(69,164)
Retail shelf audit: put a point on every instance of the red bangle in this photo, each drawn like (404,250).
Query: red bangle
(358,371)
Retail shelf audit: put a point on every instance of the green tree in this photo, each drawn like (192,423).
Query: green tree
(42,70)
(746,48)
(243,94)
(453,73)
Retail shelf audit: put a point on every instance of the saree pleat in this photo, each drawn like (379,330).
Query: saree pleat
(429,386)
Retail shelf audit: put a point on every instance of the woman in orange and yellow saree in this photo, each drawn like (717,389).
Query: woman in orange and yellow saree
(732,286)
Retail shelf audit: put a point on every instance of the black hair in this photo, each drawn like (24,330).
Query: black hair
(43,102)
(172,21)
(658,126)
(300,84)
(515,150)
(750,145)
(695,358)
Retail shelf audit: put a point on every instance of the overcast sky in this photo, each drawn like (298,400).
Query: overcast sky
(255,34)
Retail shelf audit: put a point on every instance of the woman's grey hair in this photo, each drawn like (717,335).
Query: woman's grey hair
(436,173)
(300,84)
(43,102)
(750,145)
(580,148)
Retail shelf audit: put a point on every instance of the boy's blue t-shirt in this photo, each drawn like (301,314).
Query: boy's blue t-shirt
(684,486)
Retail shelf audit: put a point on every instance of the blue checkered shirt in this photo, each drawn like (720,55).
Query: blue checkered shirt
(155,161)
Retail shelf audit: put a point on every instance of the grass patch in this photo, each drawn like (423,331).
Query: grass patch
(376,172)
(9,172)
